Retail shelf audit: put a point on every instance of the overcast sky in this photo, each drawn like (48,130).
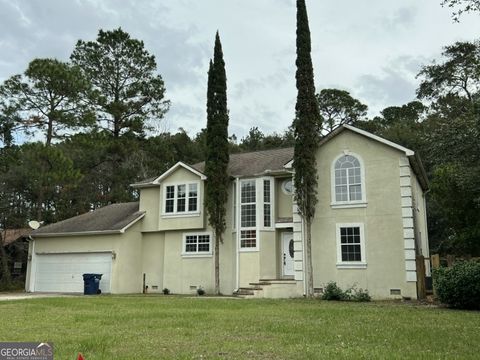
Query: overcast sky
(372,48)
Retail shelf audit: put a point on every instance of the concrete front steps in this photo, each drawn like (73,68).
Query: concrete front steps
(270,288)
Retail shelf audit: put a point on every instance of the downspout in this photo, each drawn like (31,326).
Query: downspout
(304,258)
(237,232)
(31,285)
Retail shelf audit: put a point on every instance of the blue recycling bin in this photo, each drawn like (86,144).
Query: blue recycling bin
(91,284)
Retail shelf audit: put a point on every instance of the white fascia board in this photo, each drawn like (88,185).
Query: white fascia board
(132,222)
(175,167)
(407,152)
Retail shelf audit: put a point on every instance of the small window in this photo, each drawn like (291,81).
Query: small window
(248,239)
(348,186)
(287,187)
(350,245)
(267,203)
(197,244)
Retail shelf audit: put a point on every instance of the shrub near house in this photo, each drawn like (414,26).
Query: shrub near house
(459,286)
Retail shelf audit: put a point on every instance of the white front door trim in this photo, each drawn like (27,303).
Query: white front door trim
(287,255)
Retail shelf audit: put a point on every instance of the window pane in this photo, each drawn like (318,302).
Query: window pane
(248,239)
(170,192)
(248,191)
(192,204)
(266,191)
(204,243)
(355,192)
(248,216)
(192,190)
(191,243)
(169,206)
(181,205)
(267,218)
(181,191)
(341,177)
(341,193)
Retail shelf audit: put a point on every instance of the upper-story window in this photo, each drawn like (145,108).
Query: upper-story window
(348,180)
(248,214)
(267,203)
(181,198)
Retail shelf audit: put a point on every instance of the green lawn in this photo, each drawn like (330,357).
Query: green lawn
(153,327)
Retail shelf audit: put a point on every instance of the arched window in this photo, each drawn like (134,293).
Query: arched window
(348,180)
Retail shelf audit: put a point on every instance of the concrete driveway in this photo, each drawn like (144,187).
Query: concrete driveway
(23,296)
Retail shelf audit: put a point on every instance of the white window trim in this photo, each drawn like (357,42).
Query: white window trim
(348,204)
(175,213)
(351,264)
(258,214)
(198,253)
(272,205)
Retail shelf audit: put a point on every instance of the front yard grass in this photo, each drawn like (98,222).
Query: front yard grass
(153,327)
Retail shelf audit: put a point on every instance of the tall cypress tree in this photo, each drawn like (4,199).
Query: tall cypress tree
(217,155)
(306,136)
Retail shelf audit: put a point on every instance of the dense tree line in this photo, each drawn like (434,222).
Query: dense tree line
(74,135)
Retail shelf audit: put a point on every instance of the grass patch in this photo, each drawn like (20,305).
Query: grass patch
(152,327)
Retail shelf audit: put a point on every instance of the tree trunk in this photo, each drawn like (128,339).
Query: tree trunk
(49,132)
(5,277)
(308,259)
(217,264)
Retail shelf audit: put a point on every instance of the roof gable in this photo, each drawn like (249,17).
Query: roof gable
(157,180)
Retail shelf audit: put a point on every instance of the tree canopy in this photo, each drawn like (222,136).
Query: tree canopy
(338,107)
(48,96)
(128,95)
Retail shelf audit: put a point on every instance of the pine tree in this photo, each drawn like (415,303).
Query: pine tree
(306,136)
(217,156)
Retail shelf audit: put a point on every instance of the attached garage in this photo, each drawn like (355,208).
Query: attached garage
(106,241)
(63,272)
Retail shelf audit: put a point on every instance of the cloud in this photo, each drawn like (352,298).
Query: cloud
(395,85)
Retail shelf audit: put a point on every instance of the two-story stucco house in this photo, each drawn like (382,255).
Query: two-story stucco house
(370,225)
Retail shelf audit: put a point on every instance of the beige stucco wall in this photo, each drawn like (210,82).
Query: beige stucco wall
(126,274)
(153,255)
(382,219)
(268,255)
(283,202)
(150,203)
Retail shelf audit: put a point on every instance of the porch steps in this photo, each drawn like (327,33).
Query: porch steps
(268,288)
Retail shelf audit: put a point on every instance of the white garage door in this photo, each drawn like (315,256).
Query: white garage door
(63,272)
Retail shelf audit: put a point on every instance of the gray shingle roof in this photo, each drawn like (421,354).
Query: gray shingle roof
(254,163)
(108,218)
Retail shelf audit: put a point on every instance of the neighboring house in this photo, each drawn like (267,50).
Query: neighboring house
(15,245)
(369,227)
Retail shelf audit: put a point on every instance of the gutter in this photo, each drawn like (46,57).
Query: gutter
(96,232)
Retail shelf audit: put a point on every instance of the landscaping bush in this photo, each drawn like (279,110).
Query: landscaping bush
(166,291)
(333,292)
(459,285)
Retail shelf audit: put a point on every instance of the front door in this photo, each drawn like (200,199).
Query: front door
(287,254)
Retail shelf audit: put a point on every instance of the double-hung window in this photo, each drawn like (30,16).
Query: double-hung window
(350,245)
(248,214)
(181,198)
(197,244)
